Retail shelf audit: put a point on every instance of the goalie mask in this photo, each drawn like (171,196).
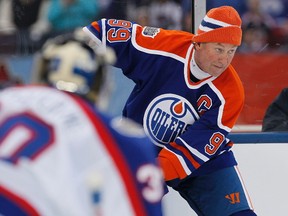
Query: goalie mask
(69,64)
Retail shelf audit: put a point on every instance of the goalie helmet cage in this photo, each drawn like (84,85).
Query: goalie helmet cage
(198,12)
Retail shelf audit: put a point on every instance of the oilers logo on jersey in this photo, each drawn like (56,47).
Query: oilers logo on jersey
(168,116)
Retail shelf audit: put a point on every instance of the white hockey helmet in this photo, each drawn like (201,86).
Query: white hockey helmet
(69,64)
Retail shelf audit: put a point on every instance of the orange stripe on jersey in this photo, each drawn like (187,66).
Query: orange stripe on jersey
(96,26)
(171,165)
(165,40)
(186,153)
(230,144)
(232,90)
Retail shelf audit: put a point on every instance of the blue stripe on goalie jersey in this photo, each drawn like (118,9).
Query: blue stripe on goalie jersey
(10,207)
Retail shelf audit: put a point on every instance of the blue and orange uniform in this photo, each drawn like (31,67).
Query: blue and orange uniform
(185,111)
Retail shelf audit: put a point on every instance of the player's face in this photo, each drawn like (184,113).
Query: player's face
(214,58)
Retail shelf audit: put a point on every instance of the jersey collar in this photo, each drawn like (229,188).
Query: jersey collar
(196,71)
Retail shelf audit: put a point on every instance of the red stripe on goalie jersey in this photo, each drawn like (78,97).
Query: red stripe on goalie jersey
(233,95)
(118,158)
(22,205)
(165,40)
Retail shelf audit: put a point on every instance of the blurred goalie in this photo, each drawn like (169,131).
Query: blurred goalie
(69,63)
(60,156)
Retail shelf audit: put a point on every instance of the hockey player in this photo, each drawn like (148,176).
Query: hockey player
(187,97)
(60,156)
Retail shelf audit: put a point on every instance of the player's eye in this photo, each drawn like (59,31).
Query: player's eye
(231,52)
(219,50)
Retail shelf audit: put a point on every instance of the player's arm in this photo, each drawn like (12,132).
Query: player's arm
(196,146)
(116,34)
(203,140)
(135,44)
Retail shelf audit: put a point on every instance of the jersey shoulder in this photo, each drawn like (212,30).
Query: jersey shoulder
(171,41)
(229,83)
(144,38)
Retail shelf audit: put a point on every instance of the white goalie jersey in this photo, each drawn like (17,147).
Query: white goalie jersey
(59,156)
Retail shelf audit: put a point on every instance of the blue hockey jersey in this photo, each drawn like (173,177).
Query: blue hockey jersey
(189,118)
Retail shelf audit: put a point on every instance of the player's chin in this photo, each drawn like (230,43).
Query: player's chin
(216,72)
